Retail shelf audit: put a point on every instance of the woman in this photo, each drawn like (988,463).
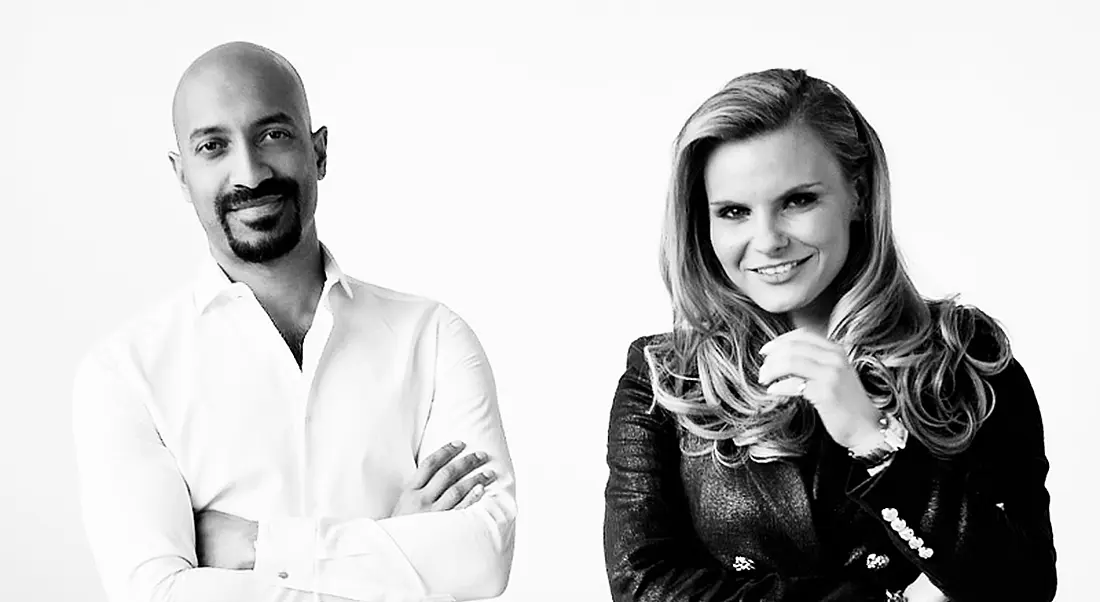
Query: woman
(812,428)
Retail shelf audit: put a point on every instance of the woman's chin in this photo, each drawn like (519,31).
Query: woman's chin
(780,306)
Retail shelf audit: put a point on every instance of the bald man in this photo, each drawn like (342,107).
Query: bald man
(282,431)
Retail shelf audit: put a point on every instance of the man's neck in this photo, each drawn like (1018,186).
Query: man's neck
(288,287)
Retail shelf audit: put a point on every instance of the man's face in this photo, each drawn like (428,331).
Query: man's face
(247,160)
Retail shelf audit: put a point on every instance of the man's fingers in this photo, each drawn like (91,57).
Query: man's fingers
(474,495)
(434,462)
(465,492)
(450,474)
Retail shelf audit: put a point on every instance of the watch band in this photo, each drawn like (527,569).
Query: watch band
(894,435)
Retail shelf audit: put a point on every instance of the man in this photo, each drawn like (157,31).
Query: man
(280,431)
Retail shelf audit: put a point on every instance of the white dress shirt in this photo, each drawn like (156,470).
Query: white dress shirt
(201,405)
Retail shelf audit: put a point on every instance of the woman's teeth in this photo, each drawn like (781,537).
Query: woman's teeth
(775,270)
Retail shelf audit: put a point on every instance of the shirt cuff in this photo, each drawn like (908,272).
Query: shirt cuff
(286,553)
(874,470)
(359,559)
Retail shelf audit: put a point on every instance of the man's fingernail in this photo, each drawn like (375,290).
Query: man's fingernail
(488,474)
(481,456)
(478,490)
(457,444)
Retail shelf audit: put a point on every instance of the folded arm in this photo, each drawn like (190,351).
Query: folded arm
(136,507)
(141,527)
(459,554)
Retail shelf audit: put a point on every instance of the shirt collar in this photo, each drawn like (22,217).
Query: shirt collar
(213,284)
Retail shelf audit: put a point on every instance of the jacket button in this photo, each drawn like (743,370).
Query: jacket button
(877,561)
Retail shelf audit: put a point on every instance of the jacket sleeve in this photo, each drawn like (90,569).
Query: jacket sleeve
(650,547)
(983,516)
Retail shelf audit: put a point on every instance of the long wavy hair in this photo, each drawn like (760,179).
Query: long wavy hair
(915,356)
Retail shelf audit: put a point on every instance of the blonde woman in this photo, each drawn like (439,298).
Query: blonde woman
(812,428)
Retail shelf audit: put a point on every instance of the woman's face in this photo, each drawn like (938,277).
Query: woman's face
(780,209)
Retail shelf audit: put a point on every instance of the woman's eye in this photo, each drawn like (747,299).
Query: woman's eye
(802,199)
(731,212)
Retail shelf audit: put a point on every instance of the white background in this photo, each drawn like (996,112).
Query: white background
(511,161)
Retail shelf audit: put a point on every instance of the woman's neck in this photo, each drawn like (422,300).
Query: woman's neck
(814,316)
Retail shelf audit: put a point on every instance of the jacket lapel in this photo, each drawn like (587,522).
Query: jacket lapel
(784,492)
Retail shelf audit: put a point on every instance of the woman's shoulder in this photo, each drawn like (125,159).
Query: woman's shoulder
(987,349)
(635,398)
(970,330)
(635,353)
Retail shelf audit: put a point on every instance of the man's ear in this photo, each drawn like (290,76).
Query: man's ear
(320,148)
(177,166)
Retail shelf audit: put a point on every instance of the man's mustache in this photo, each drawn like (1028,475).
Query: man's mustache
(242,196)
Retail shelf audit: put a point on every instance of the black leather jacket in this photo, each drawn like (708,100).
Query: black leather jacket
(812,529)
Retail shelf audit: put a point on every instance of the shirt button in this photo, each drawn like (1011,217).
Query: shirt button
(282,575)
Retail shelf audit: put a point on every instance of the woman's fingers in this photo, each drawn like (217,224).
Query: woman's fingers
(793,359)
(800,335)
(788,387)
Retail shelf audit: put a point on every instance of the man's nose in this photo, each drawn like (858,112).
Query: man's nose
(249,168)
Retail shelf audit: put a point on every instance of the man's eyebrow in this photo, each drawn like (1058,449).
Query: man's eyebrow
(205,131)
(279,117)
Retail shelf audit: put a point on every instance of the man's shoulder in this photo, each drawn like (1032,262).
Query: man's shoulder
(394,303)
(145,333)
(409,315)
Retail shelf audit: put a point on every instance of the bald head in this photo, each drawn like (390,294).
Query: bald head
(247,158)
(237,68)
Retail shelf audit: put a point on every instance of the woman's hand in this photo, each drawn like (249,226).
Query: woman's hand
(803,363)
(922,590)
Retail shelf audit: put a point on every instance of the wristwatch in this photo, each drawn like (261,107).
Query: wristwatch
(894,435)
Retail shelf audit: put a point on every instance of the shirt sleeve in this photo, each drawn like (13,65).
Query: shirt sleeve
(454,555)
(135,503)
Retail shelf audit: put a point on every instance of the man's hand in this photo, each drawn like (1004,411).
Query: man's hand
(225,541)
(439,483)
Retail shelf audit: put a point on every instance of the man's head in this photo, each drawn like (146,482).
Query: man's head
(247,158)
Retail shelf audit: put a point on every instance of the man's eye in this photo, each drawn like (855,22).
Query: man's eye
(277,135)
(208,147)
